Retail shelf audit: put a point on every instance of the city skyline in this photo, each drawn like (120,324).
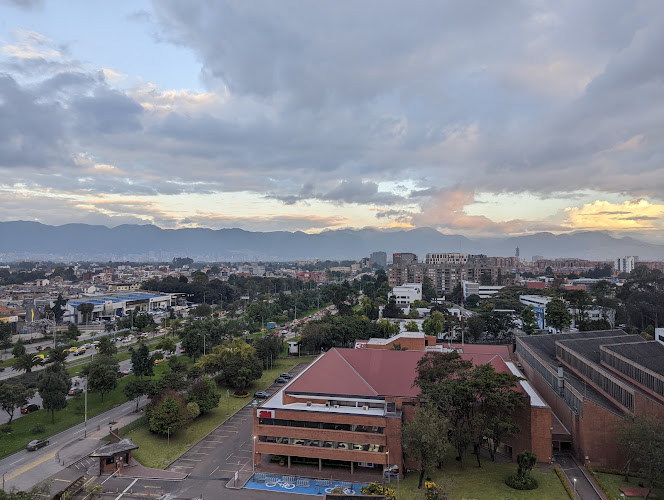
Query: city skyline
(474,118)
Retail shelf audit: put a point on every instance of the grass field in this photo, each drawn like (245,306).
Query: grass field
(472,483)
(23,429)
(153,449)
(613,482)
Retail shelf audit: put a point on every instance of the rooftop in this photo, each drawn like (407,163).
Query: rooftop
(109,450)
(589,347)
(650,355)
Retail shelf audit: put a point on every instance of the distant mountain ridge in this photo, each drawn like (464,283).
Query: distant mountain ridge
(33,240)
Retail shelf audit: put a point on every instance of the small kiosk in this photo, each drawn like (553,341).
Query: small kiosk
(114,456)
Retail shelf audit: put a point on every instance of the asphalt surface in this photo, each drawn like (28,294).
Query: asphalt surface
(584,489)
(211,463)
(24,469)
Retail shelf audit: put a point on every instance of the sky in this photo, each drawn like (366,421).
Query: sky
(479,118)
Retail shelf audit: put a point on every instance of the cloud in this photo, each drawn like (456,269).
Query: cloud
(630,216)
(24,4)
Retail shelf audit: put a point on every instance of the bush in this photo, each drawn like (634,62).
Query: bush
(432,491)
(38,429)
(6,429)
(378,489)
(193,410)
(560,475)
(521,483)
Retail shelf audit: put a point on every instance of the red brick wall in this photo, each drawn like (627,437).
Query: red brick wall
(535,433)
(595,437)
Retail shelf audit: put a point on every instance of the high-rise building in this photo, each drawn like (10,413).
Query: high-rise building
(379,259)
(404,259)
(626,264)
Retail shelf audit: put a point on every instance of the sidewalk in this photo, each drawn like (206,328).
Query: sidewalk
(581,480)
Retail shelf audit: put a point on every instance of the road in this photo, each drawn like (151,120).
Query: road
(25,469)
(211,462)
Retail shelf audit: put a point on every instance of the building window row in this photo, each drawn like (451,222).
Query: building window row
(319,443)
(373,429)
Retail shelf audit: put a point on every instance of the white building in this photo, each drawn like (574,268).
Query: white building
(484,291)
(626,264)
(406,294)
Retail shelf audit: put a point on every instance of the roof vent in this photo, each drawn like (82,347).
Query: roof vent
(308,403)
(327,404)
(336,406)
(365,407)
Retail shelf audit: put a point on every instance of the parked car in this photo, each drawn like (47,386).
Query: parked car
(280,380)
(262,395)
(286,375)
(36,444)
(157,361)
(29,408)
(79,352)
(75,391)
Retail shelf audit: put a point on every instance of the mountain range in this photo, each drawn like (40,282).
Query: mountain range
(131,242)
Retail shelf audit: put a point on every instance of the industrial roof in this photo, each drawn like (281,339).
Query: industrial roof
(109,450)
(117,297)
(589,348)
(650,355)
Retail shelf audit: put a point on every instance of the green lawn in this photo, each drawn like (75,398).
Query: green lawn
(613,482)
(472,483)
(153,449)
(22,429)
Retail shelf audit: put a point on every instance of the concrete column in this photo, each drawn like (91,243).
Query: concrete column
(351,467)
(289,461)
(320,464)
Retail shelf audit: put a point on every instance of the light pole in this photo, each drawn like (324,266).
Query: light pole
(575,488)
(253,457)
(85,420)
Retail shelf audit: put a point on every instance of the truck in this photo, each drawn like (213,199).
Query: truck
(271,325)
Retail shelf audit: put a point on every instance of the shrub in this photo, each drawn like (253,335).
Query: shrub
(521,483)
(193,410)
(38,429)
(378,489)
(6,429)
(432,491)
(563,480)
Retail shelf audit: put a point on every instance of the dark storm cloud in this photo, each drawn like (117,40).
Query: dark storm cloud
(107,112)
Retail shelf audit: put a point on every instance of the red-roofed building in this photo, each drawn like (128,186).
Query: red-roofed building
(348,407)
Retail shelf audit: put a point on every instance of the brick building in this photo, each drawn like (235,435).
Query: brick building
(592,380)
(348,407)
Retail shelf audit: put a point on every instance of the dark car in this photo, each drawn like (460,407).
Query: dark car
(280,380)
(2,368)
(30,408)
(262,395)
(75,391)
(286,375)
(36,444)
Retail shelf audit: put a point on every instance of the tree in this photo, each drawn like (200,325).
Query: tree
(269,348)
(107,348)
(391,310)
(435,324)
(472,300)
(5,335)
(58,308)
(528,320)
(205,394)
(557,315)
(522,480)
(421,438)
(86,309)
(236,363)
(203,310)
(168,414)
(643,438)
(103,375)
(72,333)
(141,362)
(166,344)
(428,290)
(13,396)
(412,326)
(26,362)
(18,349)
(476,326)
(136,389)
(495,403)
(53,386)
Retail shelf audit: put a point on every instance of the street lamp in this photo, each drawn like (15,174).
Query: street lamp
(253,457)
(574,487)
